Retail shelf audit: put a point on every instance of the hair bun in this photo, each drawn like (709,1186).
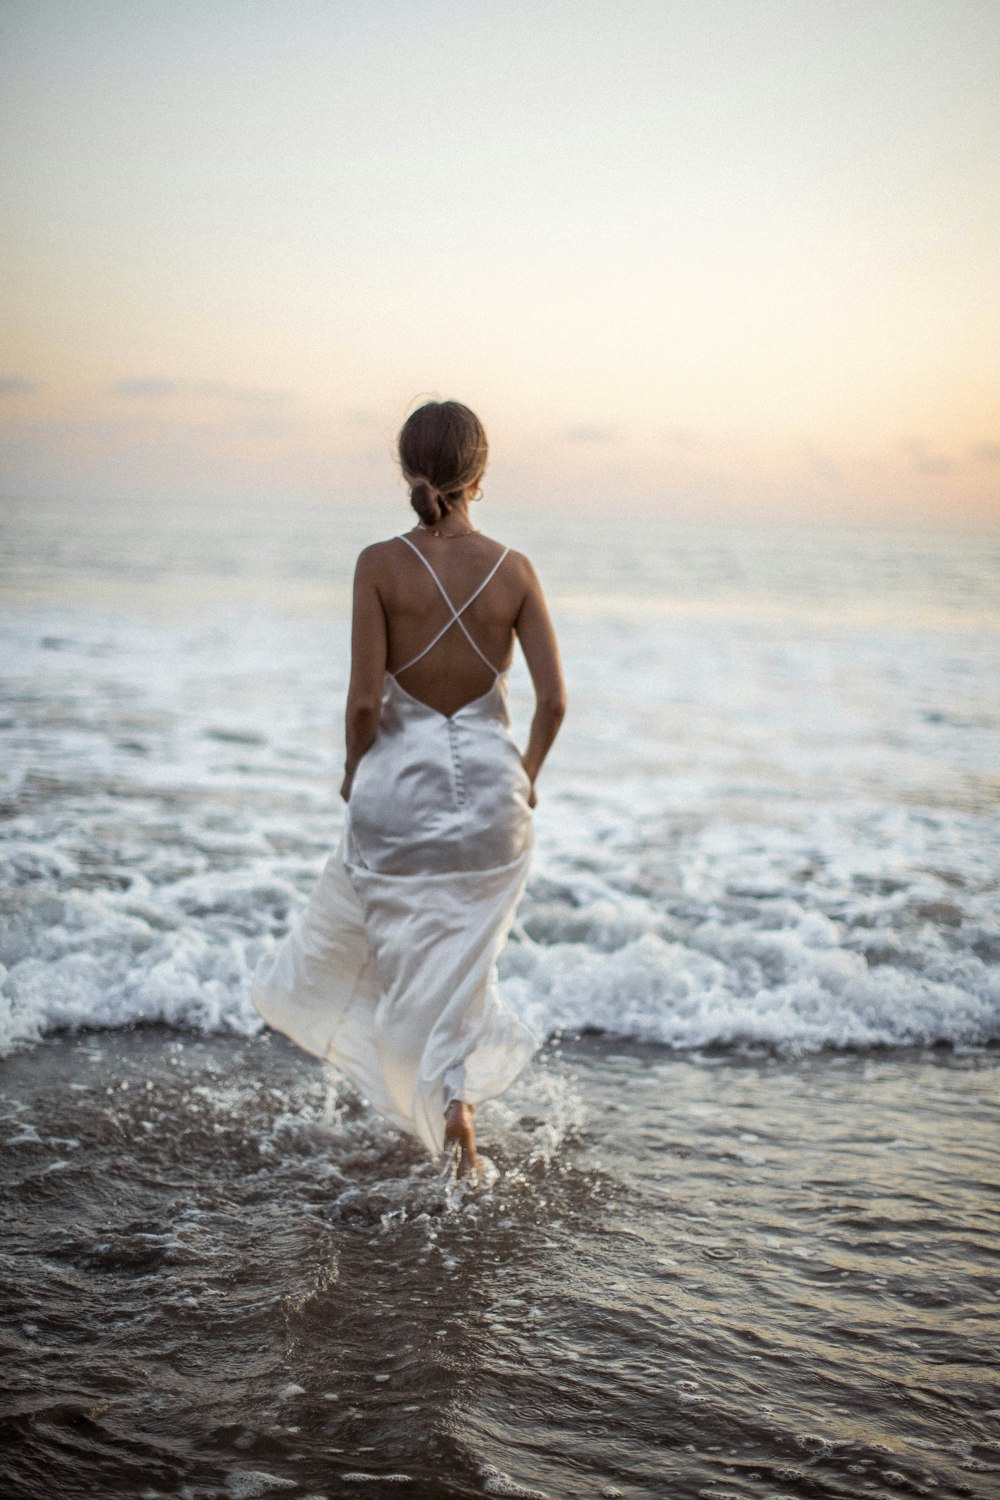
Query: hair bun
(427,501)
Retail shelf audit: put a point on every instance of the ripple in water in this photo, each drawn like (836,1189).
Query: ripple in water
(685,1276)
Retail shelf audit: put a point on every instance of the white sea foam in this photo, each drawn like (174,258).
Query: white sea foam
(682,970)
(247,1484)
(755,830)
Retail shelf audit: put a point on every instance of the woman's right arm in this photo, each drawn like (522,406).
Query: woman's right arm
(368,657)
(535,631)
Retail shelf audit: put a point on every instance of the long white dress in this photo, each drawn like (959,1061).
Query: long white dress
(389,973)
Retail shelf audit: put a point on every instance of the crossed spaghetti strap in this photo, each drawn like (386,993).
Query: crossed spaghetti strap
(456,614)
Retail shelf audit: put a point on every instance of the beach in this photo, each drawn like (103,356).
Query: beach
(737,1236)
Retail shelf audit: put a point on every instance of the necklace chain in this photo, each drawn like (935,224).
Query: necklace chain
(447,536)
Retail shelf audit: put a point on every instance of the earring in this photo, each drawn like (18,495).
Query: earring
(477,493)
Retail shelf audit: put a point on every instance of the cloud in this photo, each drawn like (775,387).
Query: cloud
(147,388)
(927,463)
(13,385)
(821,466)
(987,453)
(151,387)
(590,432)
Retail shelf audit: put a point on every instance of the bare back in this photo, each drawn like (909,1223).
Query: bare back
(406,596)
(451,673)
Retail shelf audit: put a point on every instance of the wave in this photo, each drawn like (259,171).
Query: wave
(109,959)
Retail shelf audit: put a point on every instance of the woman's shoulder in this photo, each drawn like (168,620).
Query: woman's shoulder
(513,560)
(378,556)
(381,562)
(516,565)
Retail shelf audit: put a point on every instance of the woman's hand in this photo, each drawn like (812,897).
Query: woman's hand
(532,794)
(345,785)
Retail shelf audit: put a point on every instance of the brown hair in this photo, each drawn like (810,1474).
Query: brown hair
(442,450)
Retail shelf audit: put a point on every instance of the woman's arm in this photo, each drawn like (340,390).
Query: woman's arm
(368,656)
(538,642)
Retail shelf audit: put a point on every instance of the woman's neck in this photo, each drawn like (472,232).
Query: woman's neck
(457,522)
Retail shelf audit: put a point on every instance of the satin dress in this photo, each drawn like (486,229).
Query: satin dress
(389,973)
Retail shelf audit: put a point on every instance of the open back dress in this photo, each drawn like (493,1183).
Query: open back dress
(389,972)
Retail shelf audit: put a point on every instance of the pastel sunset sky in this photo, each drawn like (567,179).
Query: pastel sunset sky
(727,258)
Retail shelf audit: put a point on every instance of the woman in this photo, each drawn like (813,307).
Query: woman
(389,973)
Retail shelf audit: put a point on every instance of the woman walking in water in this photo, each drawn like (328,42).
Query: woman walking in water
(389,972)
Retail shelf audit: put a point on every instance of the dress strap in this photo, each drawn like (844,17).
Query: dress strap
(455,613)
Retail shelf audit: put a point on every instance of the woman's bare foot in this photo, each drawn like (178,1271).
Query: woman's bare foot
(458,1132)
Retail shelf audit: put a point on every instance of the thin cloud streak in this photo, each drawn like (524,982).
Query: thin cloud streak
(155,389)
(822,466)
(590,432)
(924,462)
(680,437)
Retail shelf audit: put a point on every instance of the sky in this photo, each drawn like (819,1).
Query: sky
(726,259)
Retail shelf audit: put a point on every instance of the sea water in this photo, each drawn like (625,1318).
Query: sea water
(735,1240)
(771,817)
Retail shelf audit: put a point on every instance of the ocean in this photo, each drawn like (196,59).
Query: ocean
(737,1237)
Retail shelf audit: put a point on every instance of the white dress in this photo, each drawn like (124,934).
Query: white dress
(389,973)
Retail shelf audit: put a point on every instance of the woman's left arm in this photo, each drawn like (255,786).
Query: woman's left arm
(368,656)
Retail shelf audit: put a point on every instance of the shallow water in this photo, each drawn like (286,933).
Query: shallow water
(689,1276)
